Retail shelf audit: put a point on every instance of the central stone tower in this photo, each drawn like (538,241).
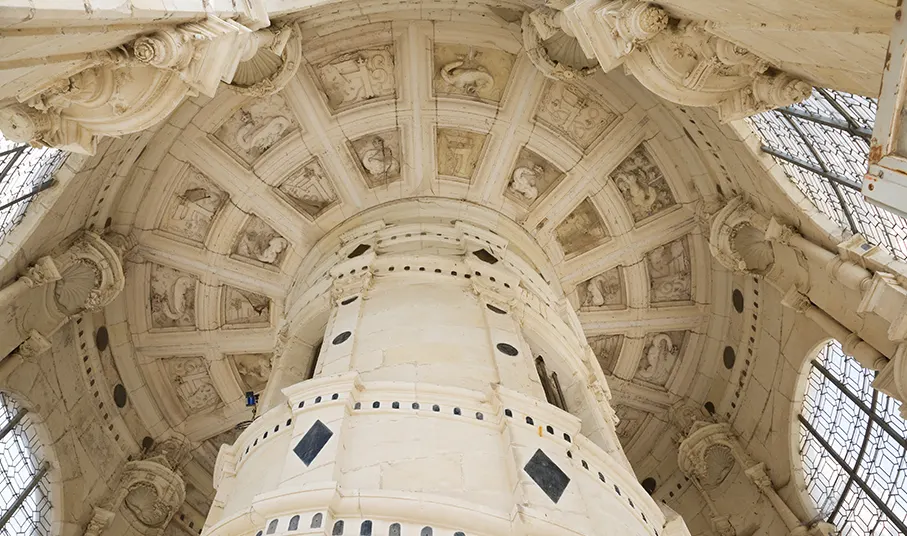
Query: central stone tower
(453,394)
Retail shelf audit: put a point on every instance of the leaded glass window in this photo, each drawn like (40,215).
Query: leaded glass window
(25,171)
(24,492)
(823,145)
(853,446)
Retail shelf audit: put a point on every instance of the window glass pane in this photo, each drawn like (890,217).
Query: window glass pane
(20,461)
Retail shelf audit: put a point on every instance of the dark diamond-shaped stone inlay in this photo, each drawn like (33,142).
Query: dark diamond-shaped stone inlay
(312,442)
(547,475)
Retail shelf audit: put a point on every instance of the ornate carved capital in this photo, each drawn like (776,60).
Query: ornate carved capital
(44,271)
(100,520)
(796,300)
(35,344)
(132,87)
(892,379)
(737,238)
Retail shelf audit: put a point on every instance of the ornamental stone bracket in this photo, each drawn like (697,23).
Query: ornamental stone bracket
(149,492)
(134,86)
(86,276)
(680,60)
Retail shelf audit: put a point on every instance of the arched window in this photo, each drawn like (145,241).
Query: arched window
(823,146)
(24,492)
(853,446)
(24,172)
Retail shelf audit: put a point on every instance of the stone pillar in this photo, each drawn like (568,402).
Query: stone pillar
(426,415)
(85,275)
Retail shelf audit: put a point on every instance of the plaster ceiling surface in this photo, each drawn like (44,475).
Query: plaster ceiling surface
(232,193)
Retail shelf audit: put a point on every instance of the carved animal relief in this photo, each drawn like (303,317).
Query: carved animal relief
(532,178)
(308,189)
(642,185)
(172,298)
(193,206)
(256,127)
(254,369)
(458,152)
(607,350)
(192,381)
(472,72)
(603,290)
(356,77)
(259,242)
(378,156)
(574,112)
(660,354)
(582,230)
(669,273)
(245,308)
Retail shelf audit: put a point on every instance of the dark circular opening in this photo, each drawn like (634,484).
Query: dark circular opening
(119,395)
(709,407)
(349,300)
(494,309)
(342,338)
(730,357)
(101,338)
(649,485)
(108,222)
(505,348)
(737,300)
(147,443)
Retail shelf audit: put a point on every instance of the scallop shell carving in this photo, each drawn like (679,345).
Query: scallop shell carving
(718,463)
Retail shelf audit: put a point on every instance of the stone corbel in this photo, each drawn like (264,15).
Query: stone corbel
(35,344)
(132,87)
(100,520)
(542,25)
(612,29)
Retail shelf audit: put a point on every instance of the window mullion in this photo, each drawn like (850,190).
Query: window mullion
(33,483)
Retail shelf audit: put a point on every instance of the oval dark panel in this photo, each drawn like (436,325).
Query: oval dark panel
(730,357)
(101,338)
(349,300)
(709,407)
(649,485)
(120,395)
(506,349)
(147,443)
(494,309)
(360,249)
(737,300)
(342,338)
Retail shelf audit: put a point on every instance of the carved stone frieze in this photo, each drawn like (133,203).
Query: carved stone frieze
(582,230)
(607,350)
(378,157)
(193,206)
(458,153)
(132,87)
(603,290)
(258,242)
(574,112)
(253,369)
(642,185)
(669,272)
(471,72)
(243,308)
(660,355)
(308,189)
(172,298)
(192,382)
(256,127)
(532,178)
(353,78)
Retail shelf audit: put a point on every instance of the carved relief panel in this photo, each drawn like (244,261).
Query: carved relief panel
(458,153)
(352,78)
(258,242)
(631,420)
(607,350)
(574,112)
(253,369)
(582,230)
(193,206)
(532,178)
(192,382)
(256,127)
(242,308)
(642,185)
(471,72)
(605,290)
(378,157)
(660,355)
(308,189)
(669,272)
(172,298)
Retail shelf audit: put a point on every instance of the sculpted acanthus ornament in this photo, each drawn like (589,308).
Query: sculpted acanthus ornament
(132,87)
